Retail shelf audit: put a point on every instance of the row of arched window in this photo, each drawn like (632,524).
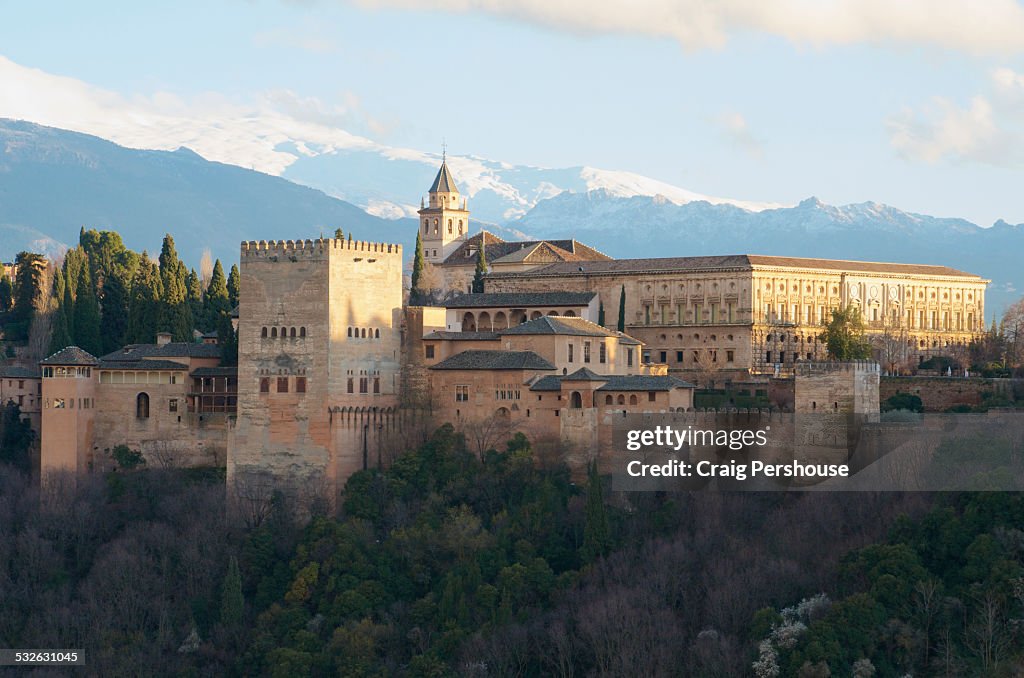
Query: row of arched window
(284,333)
(364,333)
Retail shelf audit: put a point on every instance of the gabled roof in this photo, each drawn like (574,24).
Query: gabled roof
(443,182)
(462,336)
(494,360)
(501,251)
(174,349)
(585,374)
(644,382)
(550,382)
(519,299)
(552,324)
(18,372)
(743,262)
(156,365)
(72,355)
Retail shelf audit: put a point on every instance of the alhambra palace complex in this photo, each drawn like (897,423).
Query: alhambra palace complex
(333,366)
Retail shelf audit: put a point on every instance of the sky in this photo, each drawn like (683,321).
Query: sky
(917,104)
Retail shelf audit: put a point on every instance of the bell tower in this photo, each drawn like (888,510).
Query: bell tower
(444,219)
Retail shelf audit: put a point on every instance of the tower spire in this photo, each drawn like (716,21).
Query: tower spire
(444,150)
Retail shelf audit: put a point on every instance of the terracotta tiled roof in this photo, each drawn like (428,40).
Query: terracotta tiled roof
(507,299)
(18,372)
(156,365)
(501,251)
(551,324)
(494,360)
(175,349)
(585,374)
(731,262)
(215,372)
(72,355)
(462,336)
(639,382)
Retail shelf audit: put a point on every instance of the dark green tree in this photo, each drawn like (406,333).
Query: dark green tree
(416,295)
(60,336)
(194,299)
(87,316)
(844,335)
(6,292)
(600,313)
(234,286)
(217,299)
(114,312)
(232,602)
(16,437)
(481,268)
(176,316)
(621,326)
(597,539)
(339,234)
(27,292)
(144,308)
(228,340)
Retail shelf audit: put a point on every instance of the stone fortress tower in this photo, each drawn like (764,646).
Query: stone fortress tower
(444,220)
(319,335)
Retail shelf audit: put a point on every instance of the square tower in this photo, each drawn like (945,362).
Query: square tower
(444,220)
(319,332)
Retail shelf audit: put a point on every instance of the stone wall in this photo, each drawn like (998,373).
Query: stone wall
(938,394)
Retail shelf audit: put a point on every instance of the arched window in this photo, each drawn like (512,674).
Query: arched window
(273,333)
(284,332)
(621,400)
(292,333)
(449,227)
(460,226)
(364,333)
(632,400)
(607,400)
(376,334)
(570,314)
(263,333)
(350,331)
(426,225)
(142,406)
(435,226)
(302,332)
(576,400)
(264,385)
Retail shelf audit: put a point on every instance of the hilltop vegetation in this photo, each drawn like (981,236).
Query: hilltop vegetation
(452,564)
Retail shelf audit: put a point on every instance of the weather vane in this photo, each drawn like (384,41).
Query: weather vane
(444,150)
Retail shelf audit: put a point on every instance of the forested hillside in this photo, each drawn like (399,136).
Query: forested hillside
(450,564)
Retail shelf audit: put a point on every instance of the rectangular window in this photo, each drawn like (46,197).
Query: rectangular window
(376,384)
(651,396)
(300,384)
(351,387)
(602,353)
(664,314)
(629,357)
(172,405)
(21,383)
(430,351)
(663,356)
(570,352)
(282,384)
(647,314)
(729,356)
(462,393)
(767,356)
(586,351)
(679,356)
(680,314)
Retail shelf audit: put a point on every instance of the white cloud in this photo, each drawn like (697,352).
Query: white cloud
(253,134)
(735,129)
(989,129)
(983,26)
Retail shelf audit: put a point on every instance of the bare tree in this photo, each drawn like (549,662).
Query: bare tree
(1013,330)
(986,635)
(892,347)
(707,366)
(206,268)
(253,494)
(487,432)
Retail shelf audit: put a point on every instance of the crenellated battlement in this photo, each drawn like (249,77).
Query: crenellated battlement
(267,249)
(806,369)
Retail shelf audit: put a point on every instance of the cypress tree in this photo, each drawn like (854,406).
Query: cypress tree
(177,316)
(144,308)
(622,310)
(217,300)
(194,299)
(232,603)
(6,292)
(228,340)
(596,534)
(27,282)
(60,337)
(234,285)
(339,234)
(69,302)
(114,312)
(600,313)
(415,293)
(87,315)
(481,267)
